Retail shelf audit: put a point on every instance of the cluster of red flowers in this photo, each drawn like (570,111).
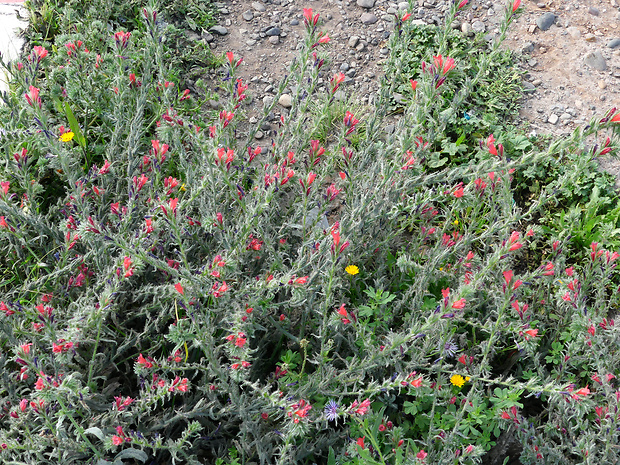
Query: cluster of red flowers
(299,410)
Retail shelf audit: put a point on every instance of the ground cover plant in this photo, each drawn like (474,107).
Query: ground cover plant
(172,293)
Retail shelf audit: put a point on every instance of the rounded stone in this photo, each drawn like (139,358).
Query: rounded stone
(478,27)
(545,21)
(368,18)
(366,3)
(595,60)
(286,100)
(259,7)
(613,43)
(221,30)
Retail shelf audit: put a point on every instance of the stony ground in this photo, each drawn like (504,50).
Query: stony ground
(569,51)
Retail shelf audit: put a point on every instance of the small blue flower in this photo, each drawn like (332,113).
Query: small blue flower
(450,348)
(331,411)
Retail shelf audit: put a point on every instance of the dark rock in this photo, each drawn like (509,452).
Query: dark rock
(545,21)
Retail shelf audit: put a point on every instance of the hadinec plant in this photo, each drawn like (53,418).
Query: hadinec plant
(219,267)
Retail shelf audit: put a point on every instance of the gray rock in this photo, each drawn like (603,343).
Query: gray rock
(545,21)
(613,43)
(368,18)
(214,104)
(595,60)
(466,29)
(267,100)
(403,6)
(221,30)
(478,27)
(273,31)
(340,96)
(259,7)
(574,32)
(353,40)
(259,135)
(274,40)
(294,22)
(527,47)
(286,100)
(594,11)
(193,36)
(208,37)
(528,87)
(366,3)
(248,15)
(553,119)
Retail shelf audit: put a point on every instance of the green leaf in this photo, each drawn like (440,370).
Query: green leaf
(95,431)
(331,457)
(75,127)
(410,408)
(132,454)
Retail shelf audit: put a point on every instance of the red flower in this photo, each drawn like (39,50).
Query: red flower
(581,392)
(515,5)
(448,65)
(459,304)
(421,455)
(336,81)
(40,384)
(117,441)
(179,288)
(144,362)
(32,97)
(360,442)
(462,4)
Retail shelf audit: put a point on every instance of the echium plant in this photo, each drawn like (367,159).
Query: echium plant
(172,294)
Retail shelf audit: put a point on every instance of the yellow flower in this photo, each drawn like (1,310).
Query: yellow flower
(352,269)
(66,137)
(457,380)
(456,222)
(182,188)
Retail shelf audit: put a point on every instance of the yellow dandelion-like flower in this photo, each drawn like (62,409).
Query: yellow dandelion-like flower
(352,269)
(457,380)
(456,222)
(66,137)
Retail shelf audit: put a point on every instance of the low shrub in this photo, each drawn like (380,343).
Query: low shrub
(174,294)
